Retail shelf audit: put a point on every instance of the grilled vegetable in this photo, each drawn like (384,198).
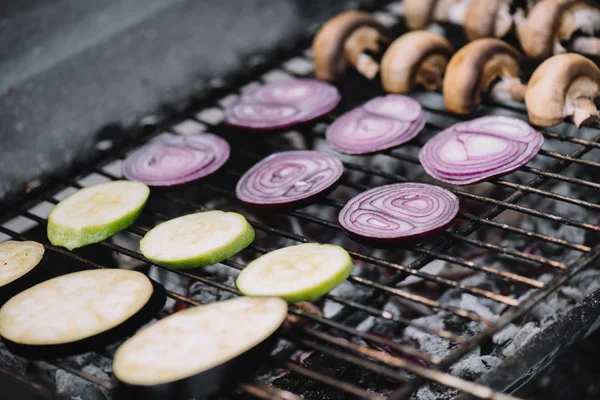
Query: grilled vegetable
(297,273)
(478,150)
(198,351)
(564,86)
(417,58)
(379,124)
(346,39)
(197,240)
(17,263)
(95,213)
(486,66)
(392,214)
(290,178)
(282,104)
(78,312)
(177,160)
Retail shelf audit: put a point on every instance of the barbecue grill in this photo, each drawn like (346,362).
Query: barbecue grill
(399,327)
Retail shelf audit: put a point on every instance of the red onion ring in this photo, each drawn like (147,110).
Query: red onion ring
(400,212)
(474,151)
(282,104)
(379,124)
(176,160)
(289,178)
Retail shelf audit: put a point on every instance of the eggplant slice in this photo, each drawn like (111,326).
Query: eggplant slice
(79,312)
(199,351)
(17,267)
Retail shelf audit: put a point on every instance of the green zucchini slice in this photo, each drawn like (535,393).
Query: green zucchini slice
(197,240)
(298,273)
(95,213)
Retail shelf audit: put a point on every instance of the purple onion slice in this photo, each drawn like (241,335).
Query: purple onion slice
(177,160)
(282,104)
(289,178)
(478,150)
(402,212)
(381,123)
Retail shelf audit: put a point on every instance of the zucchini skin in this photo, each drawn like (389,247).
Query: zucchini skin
(211,258)
(212,381)
(70,238)
(44,352)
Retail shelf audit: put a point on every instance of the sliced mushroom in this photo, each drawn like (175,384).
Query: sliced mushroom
(419,14)
(486,65)
(563,86)
(343,40)
(488,18)
(551,23)
(417,58)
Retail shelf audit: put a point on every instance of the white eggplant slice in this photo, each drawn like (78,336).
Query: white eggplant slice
(197,240)
(297,273)
(17,267)
(78,311)
(17,259)
(95,213)
(198,351)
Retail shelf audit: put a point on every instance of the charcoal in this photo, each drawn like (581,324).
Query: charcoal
(428,342)
(206,294)
(473,367)
(75,388)
(434,392)
(528,331)
(506,334)
(587,281)
(11,362)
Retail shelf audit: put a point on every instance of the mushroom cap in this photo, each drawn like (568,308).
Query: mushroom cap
(402,59)
(328,45)
(481,19)
(418,13)
(547,24)
(555,83)
(473,69)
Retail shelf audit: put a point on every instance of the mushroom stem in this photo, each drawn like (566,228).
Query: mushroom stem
(585,112)
(363,39)
(430,77)
(508,89)
(586,45)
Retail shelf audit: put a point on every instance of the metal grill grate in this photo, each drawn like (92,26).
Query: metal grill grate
(328,335)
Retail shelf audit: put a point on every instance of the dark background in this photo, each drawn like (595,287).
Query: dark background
(70,68)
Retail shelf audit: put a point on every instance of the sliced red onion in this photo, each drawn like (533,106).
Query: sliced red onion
(381,123)
(474,151)
(289,178)
(390,214)
(282,104)
(177,160)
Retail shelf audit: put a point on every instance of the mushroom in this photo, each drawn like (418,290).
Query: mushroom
(486,65)
(488,18)
(419,14)
(551,23)
(417,58)
(563,86)
(343,40)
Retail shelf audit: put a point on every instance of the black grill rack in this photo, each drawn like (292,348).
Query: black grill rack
(326,335)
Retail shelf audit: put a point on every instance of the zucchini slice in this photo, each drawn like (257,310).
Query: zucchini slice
(17,263)
(199,351)
(197,240)
(95,213)
(297,273)
(78,312)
